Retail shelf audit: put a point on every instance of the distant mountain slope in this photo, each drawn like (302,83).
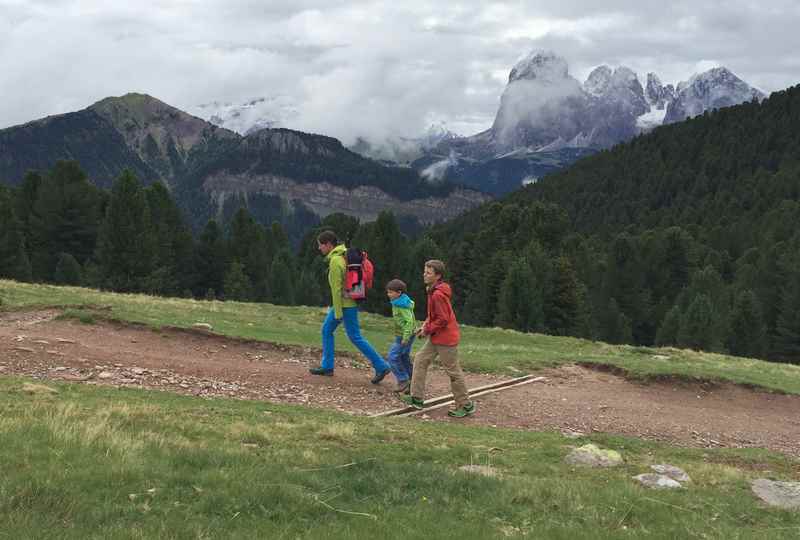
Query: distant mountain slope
(284,175)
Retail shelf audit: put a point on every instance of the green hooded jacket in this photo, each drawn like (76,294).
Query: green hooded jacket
(337,267)
(403,317)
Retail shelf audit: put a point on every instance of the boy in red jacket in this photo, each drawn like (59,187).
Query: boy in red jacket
(442,329)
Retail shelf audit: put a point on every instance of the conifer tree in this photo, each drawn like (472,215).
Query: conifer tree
(747,334)
(787,330)
(68,270)
(697,325)
(281,285)
(707,281)
(63,219)
(521,299)
(14,263)
(617,328)
(247,243)
(667,334)
(237,284)
(27,194)
(562,304)
(125,247)
(308,292)
(211,259)
(278,240)
(174,248)
(480,306)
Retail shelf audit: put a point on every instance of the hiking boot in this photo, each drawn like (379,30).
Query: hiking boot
(403,387)
(467,410)
(380,376)
(414,402)
(321,371)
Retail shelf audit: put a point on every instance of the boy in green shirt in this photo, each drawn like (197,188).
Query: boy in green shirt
(399,356)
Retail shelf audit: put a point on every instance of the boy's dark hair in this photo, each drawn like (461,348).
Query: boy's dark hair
(327,237)
(396,285)
(436,265)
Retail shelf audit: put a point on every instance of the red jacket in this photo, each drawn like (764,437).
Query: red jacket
(441,323)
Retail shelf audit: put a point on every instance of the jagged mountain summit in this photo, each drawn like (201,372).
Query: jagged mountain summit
(712,89)
(546,114)
(544,108)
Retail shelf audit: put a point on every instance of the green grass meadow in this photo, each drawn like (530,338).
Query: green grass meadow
(94,462)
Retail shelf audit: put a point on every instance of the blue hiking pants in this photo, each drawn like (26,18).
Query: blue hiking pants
(399,358)
(353,331)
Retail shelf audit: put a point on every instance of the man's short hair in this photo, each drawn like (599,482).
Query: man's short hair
(396,285)
(327,237)
(436,265)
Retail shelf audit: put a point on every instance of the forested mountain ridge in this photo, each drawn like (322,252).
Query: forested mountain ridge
(687,235)
(212,171)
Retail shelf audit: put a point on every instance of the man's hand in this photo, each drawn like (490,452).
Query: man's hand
(420,332)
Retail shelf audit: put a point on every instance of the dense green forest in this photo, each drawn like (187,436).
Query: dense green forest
(686,236)
(58,227)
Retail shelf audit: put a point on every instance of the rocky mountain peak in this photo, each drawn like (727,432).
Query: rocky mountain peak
(658,94)
(713,89)
(543,66)
(159,133)
(599,80)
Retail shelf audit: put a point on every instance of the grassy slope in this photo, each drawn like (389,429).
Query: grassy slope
(97,462)
(482,349)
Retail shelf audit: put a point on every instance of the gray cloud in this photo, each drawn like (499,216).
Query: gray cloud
(366,68)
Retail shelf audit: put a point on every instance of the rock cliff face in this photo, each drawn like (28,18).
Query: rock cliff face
(322,198)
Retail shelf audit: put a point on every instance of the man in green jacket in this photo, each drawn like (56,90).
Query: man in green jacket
(343,309)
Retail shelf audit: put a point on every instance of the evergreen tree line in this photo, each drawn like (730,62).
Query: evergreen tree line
(526,269)
(59,228)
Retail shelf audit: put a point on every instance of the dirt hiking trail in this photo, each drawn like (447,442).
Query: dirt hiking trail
(572,399)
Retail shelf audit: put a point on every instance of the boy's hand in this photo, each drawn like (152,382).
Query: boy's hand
(420,332)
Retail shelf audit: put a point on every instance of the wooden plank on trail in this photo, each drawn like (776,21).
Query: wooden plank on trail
(448,398)
(471,395)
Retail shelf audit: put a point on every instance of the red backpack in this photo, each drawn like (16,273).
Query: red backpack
(358,275)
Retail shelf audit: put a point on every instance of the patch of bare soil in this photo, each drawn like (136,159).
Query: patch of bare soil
(571,399)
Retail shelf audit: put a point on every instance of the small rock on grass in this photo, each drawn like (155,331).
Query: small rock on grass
(203,326)
(676,473)
(483,470)
(594,456)
(781,494)
(658,481)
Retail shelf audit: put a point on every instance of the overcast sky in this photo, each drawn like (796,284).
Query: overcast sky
(371,68)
